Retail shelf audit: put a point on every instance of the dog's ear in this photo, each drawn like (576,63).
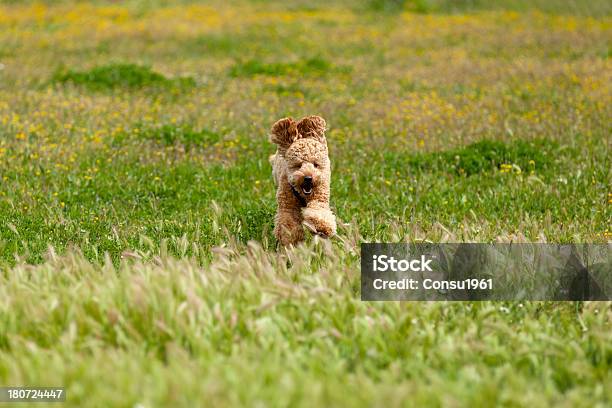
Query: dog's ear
(312,126)
(284,132)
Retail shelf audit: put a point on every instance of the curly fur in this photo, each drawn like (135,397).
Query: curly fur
(301,153)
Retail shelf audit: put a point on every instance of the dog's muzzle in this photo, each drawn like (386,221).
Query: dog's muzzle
(307,185)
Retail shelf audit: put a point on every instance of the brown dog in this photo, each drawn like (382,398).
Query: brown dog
(302,171)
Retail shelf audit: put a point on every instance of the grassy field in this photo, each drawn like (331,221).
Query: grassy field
(137,262)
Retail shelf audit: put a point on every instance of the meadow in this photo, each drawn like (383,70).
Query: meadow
(137,261)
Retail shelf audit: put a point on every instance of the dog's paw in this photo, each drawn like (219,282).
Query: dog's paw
(320,222)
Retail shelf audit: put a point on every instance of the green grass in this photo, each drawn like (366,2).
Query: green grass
(137,260)
(183,136)
(173,200)
(130,76)
(491,155)
(595,8)
(310,66)
(172,332)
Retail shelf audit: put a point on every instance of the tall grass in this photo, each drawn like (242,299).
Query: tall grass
(251,325)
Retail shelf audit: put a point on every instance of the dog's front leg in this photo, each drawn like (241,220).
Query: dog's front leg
(319,219)
(288,228)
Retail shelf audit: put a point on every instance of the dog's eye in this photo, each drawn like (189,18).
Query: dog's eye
(316,165)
